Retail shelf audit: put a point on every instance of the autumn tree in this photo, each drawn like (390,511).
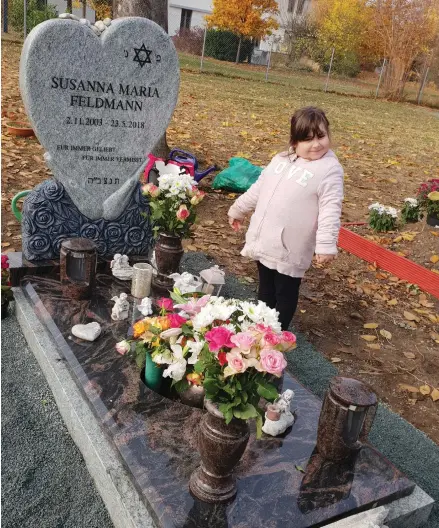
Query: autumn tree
(245,18)
(403,30)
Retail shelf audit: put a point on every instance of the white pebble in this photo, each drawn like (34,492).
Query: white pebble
(107,21)
(96,30)
(85,21)
(100,25)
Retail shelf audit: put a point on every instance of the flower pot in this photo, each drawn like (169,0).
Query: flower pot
(433,220)
(5,308)
(18,128)
(153,374)
(193,396)
(168,253)
(221,446)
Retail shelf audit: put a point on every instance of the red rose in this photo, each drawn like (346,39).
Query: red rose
(222,359)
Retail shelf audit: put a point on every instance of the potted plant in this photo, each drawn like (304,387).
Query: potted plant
(19,128)
(411,211)
(7,294)
(172,204)
(382,218)
(232,349)
(428,196)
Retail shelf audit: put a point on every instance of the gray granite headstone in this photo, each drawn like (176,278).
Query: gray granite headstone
(99,104)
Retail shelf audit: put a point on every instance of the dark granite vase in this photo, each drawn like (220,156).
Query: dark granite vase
(5,308)
(433,220)
(168,253)
(193,396)
(221,447)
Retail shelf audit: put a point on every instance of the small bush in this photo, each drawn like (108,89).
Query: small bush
(36,13)
(411,210)
(189,40)
(382,218)
(223,45)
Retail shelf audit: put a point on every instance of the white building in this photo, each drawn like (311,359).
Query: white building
(187,14)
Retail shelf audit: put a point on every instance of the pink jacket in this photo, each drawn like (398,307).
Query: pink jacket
(297,207)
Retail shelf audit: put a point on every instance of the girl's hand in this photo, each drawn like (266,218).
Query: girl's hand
(235,224)
(324,259)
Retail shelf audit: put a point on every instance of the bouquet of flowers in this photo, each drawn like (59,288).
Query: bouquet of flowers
(173,203)
(428,196)
(7,294)
(232,348)
(382,218)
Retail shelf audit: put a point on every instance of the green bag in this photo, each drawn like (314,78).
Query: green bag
(239,176)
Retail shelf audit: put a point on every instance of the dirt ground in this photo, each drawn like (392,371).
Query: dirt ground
(387,150)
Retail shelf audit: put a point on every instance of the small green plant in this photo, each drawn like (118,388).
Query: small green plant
(428,196)
(411,210)
(382,218)
(36,12)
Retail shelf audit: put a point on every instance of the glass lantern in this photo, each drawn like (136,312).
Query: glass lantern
(213,280)
(78,261)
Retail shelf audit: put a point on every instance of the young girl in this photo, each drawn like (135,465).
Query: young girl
(297,206)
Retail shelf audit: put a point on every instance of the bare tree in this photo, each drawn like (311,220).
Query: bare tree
(157,11)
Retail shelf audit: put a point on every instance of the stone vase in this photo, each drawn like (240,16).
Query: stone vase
(221,447)
(193,396)
(168,253)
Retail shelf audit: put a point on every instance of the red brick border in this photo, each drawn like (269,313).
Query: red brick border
(387,260)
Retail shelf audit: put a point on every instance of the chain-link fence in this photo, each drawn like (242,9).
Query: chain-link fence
(223,53)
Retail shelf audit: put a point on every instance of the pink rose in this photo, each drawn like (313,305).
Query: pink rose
(235,364)
(243,340)
(182,213)
(123,347)
(218,338)
(165,304)
(151,189)
(288,340)
(273,362)
(270,340)
(175,320)
(197,198)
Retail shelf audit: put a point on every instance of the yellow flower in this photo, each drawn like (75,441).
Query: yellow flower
(433,196)
(138,329)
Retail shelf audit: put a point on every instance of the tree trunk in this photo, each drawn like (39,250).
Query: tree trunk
(395,78)
(239,49)
(157,11)
(69,8)
(84,8)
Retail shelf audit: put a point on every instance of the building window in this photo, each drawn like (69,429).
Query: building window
(291,4)
(300,7)
(185,22)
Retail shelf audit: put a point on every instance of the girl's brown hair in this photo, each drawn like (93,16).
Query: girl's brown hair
(307,123)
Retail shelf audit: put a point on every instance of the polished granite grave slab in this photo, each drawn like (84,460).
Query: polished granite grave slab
(156,437)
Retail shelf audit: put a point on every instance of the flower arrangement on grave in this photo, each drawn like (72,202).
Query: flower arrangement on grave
(428,196)
(173,203)
(411,210)
(233,349)
(7,294)
(382,218)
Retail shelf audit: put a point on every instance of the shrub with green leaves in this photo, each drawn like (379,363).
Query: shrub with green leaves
(382,218)
(411,210)
(36,11)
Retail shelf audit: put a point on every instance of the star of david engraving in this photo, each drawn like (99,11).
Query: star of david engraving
(142,55)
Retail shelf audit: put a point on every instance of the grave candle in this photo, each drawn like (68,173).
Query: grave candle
(141,283)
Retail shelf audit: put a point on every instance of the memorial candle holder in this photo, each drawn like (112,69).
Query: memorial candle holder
(346,418)
(141,282)
(78,261)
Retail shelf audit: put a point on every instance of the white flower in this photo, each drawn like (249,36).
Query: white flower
(391,211)
(194,347)
(260,313)
(179,185)
(413,202)
(377,207)
(177,368)
(203,318)
(171,332)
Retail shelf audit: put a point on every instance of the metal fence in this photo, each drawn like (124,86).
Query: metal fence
(267,61)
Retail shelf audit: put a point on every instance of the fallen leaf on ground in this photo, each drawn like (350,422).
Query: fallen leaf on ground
(335,360)
(370,325)
(392,302)
(300,468)
(374,346)
(434,259)
(368,337)
(435,337)
(386,334)
(424,389)
(409,355)
(434,395)
(411,317)
(408,388)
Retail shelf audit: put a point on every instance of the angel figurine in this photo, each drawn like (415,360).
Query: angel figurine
(120,267)
(279,416)
(120,308)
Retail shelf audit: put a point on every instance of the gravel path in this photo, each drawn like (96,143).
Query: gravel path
(45,483)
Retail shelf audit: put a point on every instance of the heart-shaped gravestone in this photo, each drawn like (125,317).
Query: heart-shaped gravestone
(88,332)
(99,104)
